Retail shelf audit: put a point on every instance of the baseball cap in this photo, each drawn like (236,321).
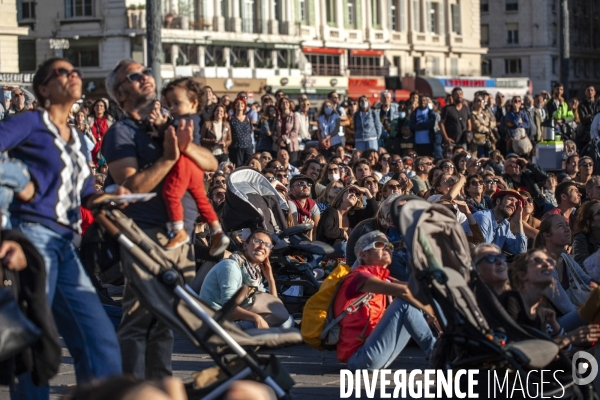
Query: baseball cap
(508,192)
(301,177)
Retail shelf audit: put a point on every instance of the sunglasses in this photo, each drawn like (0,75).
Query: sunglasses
(476,183)
(493,258)
(354,192)
(57,72)
(281,176)
(18,94)
(540,261)
(369,182)
(490,181)
(529,200)
(386,159)
(449,180)
(306,104)
(394,187)
(136,76)
(259,242)
(448,166)
(304,184)
(220,182)
(379,246)
(395,162)
(270,178)
(277,167)
(586,164)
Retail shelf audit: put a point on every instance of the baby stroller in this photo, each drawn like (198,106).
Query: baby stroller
(159,286)
(478,333)
(251,203)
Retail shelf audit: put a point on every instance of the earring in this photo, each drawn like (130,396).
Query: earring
(47,103)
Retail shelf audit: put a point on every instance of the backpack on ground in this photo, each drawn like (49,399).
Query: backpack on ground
(320,328)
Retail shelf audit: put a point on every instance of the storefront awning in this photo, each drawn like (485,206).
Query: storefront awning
(323,50)
(366,53)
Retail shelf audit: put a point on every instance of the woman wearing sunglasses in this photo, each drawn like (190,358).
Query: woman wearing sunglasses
(531,277)
(326,198)
(337,221)
(586,235)
(249,267)
(50,218)
(474,194)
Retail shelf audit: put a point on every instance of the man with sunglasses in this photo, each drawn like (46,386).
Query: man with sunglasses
(374,336)
(302,207)
(396,165)
(420,181)
(140,161)
(490,262)
(249,267)
(495,224)
(20,101)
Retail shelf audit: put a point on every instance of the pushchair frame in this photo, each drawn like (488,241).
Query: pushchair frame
(168,275)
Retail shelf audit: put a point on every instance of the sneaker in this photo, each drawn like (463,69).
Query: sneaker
(220,242)
(177,239)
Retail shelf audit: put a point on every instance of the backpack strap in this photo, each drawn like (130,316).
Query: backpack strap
(350,309)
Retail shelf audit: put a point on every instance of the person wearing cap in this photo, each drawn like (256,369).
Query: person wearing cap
(495,224)
(301,206)
(374,336)
(523,175)
(568,199)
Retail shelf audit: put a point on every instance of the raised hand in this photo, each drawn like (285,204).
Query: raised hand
(170,145)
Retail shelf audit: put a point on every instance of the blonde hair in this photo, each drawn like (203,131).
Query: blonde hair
(340,196)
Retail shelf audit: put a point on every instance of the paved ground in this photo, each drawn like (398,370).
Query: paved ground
(316,373)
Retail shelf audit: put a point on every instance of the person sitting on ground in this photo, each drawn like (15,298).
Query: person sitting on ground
(549,189)
(571,169)
(302,208)
(338,220)
(326,198)
(249,267)
(495,225)
(586,171)
(530,223)
(370,183)
(374,336)
(474,196)
(490,262)
(586,234)
(420,181)
(523,175)
(554,237)
(568,199)
(531,275)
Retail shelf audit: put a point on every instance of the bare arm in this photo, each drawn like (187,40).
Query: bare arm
(395,289)
(201,156)
(239,314)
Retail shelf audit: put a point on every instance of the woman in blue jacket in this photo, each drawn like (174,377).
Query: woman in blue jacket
(367,126)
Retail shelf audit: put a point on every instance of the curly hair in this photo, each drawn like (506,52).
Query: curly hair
(584,219)
(193,89)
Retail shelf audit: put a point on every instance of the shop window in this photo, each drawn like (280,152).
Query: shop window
(83,53)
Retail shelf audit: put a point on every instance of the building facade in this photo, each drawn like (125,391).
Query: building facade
(523,40)
(9,45)
(262,39)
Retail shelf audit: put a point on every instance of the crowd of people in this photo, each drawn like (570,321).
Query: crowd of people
(339,167)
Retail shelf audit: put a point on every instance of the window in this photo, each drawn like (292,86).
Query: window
(436,66)
(485,35)
(302,10)
(398,64)
(27,60)
(512,33)
(364,66)
(351,12)
(394,16)
(416,16)
(26,9)
(324,64)
(188,54)
(485,6)
(486,67)
(376,13)
(554,34)
(553,6)
(433,19)
(554,65)
(454,66)
(455,9)
(83,53)
(512,66)
(330,12)
(512,5)
(247,10)
(402,15)
(79,8)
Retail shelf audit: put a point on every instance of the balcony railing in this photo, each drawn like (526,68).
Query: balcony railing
(326,70)
(360,70)
(254,25)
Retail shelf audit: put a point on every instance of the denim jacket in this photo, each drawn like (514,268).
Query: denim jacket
(367,125)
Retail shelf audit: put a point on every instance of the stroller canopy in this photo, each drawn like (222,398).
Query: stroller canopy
(252,202)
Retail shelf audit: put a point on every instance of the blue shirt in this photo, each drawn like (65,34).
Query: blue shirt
(58,168)
(498,233)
